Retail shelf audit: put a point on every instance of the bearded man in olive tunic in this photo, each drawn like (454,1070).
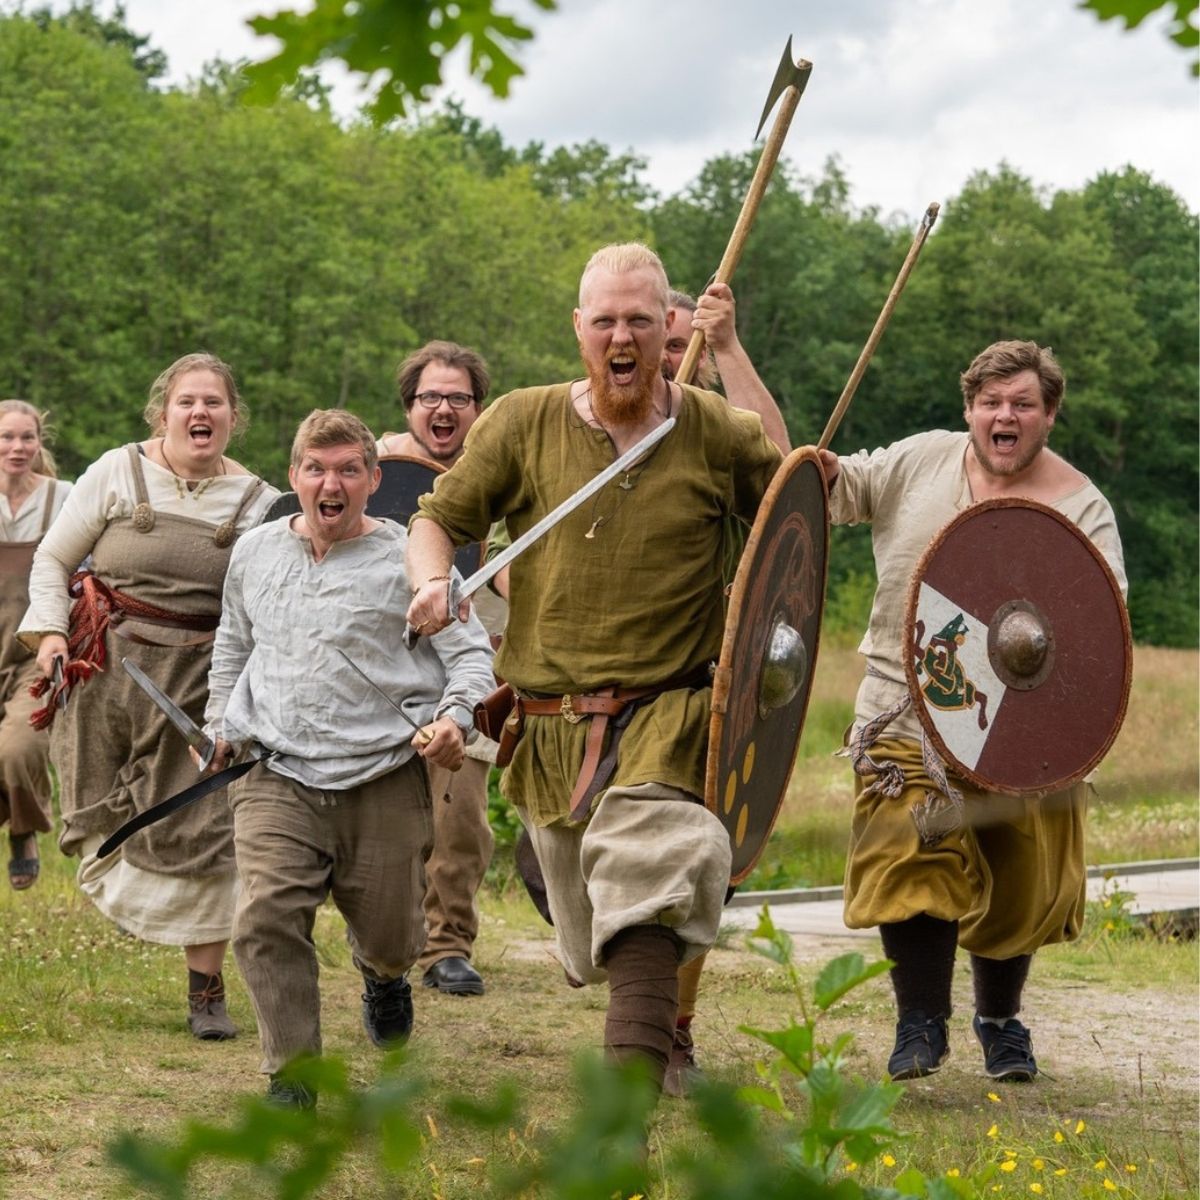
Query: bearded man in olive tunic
(625,593)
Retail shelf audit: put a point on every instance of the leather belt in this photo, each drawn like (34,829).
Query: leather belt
(610,708)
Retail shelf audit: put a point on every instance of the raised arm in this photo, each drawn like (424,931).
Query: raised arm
(714,315)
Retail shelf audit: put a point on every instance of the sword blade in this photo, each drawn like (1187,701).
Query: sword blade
(375,687)
(60,693)
(486,574)
(192,733)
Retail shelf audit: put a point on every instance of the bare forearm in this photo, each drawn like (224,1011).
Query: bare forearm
(430,553)
(744,389)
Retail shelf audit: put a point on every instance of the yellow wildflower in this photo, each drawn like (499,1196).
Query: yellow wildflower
(1036,1188)
(1010,1154)
(952,1173)
(1109,1186)
(1061,1171)
(1100,1164)
(1080,1126)
(852,1166)
(993,1098)
(1109,927)
(888,1161)
(1131,1167)
(994,1131)
(1009,1164)
(1058,1137)
(1038,1164)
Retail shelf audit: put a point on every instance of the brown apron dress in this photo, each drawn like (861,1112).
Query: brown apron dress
(115,753)
(24,751)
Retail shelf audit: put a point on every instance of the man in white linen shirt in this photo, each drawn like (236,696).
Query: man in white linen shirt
(342,806)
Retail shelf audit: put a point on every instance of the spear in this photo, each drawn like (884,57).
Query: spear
(790,80)
(881,323)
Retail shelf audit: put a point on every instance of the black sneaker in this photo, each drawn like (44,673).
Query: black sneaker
(387,1010)
(1007,1050)
(922,1046)
(287,1093)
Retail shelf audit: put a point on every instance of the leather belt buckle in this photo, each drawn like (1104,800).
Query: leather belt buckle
(567,710)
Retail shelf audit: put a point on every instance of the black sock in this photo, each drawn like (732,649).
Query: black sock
(923,950)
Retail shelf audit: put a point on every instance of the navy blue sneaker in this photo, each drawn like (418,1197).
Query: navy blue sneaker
(922,1045)
(1007,1050)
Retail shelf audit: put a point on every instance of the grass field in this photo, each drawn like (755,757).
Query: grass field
(93,1039)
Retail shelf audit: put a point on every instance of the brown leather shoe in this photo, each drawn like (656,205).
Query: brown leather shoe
(682,1072)
(207,1017)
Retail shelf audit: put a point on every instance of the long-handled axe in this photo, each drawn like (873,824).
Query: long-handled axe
(790,80)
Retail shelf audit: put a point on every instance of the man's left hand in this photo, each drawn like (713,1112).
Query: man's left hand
(715,316)
(441,743)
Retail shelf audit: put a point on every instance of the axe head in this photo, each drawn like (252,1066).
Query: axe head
(787,74)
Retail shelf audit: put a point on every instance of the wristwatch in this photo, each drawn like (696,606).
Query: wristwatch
(463,717)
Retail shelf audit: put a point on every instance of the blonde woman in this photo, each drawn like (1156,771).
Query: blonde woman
(157,521)
(30,498)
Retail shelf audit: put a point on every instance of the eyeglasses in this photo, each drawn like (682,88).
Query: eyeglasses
(454,399)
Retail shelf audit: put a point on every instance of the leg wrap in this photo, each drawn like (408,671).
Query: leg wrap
(643,980)
(923,950)
(998,984)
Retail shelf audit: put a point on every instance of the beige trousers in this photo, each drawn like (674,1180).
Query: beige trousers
(649,855)
(1013,877)
(462,848)
(366,847)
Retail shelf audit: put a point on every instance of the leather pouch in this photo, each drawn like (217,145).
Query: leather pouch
(493,710)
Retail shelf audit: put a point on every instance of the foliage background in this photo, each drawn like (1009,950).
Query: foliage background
(138,224)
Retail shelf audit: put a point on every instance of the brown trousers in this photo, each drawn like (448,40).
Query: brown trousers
(462,848)
(24,759)
(295,846)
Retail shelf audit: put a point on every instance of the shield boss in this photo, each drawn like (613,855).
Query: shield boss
(1020,654)
(769,653)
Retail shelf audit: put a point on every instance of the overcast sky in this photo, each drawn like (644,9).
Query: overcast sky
(912,95)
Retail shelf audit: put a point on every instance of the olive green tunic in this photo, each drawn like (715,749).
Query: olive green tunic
(636,604)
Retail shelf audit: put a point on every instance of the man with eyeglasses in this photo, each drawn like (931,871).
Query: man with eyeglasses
(443,386)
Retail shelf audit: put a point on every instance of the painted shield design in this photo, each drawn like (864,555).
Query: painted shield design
(1021,657)
(404,480)
(768,656)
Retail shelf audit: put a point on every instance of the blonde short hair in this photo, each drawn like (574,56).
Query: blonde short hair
(325,427)
(622,257)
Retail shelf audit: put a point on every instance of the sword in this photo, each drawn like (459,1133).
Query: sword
(192,733)
(472,584)
(421,735)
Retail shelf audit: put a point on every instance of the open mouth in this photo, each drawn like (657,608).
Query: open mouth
(200,433)
(443,429)
(623,368)
(1004,441)
(331,510)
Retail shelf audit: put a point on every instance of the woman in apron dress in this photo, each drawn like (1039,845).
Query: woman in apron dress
(156,521)
(30,498)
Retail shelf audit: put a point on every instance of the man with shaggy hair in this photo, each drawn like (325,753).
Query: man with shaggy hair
(1010,879)
(615,616)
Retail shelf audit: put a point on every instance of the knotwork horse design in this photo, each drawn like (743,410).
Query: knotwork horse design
(947,686)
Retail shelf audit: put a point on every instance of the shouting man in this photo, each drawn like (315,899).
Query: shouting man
(615,616)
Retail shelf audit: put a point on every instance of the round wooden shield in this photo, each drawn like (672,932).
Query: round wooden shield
(403,481)
(768,656)
(1020,652)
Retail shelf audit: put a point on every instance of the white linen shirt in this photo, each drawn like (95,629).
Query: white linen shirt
(278,678)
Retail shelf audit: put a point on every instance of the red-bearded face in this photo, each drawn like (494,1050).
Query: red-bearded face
(622,328)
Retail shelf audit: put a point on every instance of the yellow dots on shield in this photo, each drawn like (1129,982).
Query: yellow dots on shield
(748,763)
(739,834)
(730,791)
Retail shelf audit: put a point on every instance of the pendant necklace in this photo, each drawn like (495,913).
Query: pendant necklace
(630,479)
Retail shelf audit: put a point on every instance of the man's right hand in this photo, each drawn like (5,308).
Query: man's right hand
(223,753)
(52,646)
(429,612)
(830,466)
